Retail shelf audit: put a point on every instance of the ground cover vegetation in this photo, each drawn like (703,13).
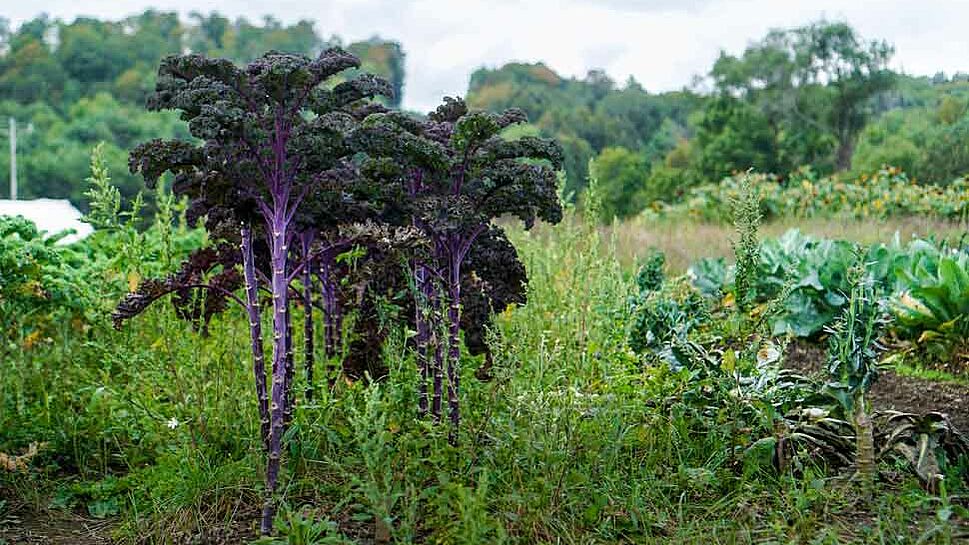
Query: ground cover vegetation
(606,378)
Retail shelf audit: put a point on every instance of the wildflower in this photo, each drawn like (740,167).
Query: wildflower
(172,423)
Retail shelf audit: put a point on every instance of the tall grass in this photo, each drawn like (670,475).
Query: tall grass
(685,241)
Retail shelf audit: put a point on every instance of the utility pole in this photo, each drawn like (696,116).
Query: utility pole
(13,159)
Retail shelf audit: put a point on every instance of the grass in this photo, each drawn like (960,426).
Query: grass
(685,241)
(573,441)
(929,373)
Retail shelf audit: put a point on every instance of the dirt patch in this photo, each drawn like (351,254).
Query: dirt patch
(892,391)
(59,527)
(54,528)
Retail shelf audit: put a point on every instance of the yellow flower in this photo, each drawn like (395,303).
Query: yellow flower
(31,340)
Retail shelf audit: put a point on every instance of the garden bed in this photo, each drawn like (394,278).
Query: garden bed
(894,391)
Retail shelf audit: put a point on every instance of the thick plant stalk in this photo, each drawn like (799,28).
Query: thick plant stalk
(280,292)
(290,370)
(308,342)
(423,335)
(331,311)
(454,347)
(436,333)
(865,443)
(255,333)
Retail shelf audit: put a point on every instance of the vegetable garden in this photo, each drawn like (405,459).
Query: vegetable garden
(344,323)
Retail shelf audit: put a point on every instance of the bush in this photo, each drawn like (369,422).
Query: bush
(887,193)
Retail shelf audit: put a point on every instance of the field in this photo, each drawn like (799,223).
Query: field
(148,434)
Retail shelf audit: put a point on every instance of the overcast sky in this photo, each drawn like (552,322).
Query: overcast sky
(663,43)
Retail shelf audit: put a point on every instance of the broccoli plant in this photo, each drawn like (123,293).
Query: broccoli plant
(458,174)
(272,135)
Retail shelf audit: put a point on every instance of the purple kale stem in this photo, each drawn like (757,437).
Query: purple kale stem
(280,289)
(328,289)
(454,348)
(290,370)
(420,308)
(438,345)
(306,240)
(455,250)
(255,333)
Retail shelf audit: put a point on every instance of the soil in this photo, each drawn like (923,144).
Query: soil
(63,527)
(54,528)
(892,391)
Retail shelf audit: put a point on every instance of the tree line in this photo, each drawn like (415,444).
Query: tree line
(817,96)
(73,84)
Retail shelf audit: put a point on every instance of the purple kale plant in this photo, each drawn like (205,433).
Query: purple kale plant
(458,175)
(272,137)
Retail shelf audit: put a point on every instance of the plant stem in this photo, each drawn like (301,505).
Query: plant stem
(436,326)
(331,319)
(308,345)
(280,294)
(454,347)
(255,333)
(865,444)
(421,340)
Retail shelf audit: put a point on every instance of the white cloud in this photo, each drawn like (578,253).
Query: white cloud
(663,43)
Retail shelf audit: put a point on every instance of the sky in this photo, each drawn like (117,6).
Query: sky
(662,43)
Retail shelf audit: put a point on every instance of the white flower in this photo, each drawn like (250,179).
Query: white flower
(172,423)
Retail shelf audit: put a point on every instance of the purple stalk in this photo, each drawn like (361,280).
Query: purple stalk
(438,344)
(454,348)
(255,333)
(280,290)
(308,345)
(290,370)
(453,253)
(331,310)
(423,335)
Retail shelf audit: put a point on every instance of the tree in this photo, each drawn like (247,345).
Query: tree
(385,59)
(622,175)
(28,70)
(733,136)
(947,153)
(584,115)
(816,78)
(91,51)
